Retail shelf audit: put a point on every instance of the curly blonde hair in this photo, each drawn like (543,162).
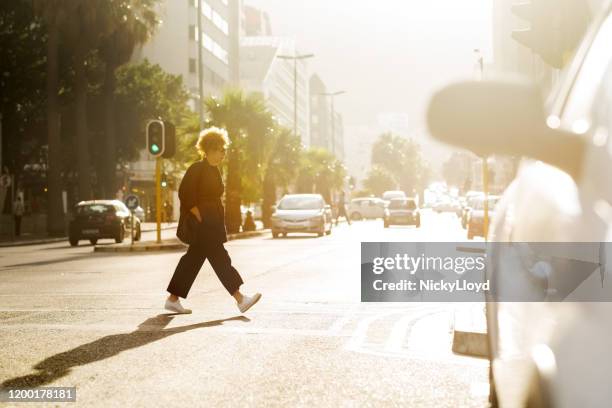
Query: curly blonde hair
(211,138)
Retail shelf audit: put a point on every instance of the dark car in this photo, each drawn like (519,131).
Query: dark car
(402,211)
(99,219)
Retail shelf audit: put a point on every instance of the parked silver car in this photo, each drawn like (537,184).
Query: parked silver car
(366,208)
(553,353)
(302,213)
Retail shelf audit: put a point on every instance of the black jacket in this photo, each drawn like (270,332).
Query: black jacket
(202,187)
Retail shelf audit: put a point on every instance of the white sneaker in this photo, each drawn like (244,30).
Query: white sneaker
(248,302)
(176,307)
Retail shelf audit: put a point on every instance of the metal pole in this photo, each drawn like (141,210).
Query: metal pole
(1,168)
(200,73)
(158,197)
(485,189)
(333,121)
(132,228)
(295,104)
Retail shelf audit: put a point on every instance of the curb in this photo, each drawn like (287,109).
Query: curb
(470,332)
(470,343)
(167,227)
(170,245)
(10,244)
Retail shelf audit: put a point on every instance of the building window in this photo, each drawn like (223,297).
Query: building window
(193,33)
(215,49)
(207,10)
(220,22)
(192,65)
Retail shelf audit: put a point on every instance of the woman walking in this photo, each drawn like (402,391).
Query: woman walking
(200,195)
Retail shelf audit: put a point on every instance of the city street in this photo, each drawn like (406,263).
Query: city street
(72,317)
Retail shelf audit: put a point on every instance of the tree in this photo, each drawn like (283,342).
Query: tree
(320,172)
(402,159)
(132,22)
(281,169)
(378,181)
(22,83)
(53,12)
(87,21)
(145,91)
(457,170)
(247,121)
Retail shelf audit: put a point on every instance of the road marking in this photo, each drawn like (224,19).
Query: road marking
(339,324)
(357,340)
(401,330)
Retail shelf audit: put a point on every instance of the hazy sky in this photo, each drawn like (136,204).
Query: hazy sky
(389,55)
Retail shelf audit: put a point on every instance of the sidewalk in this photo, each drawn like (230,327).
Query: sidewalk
(37,239)
(171,244)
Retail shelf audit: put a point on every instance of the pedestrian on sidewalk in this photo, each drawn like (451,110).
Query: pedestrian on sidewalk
(18,210)
(342,209)
(200,199)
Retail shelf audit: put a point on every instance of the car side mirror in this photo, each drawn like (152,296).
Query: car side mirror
(506,117)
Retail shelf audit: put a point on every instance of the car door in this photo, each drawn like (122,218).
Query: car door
(544,204)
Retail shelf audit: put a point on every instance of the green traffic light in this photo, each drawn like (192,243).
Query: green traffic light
(154,148)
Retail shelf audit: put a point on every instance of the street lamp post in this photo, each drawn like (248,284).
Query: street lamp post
(485,164)
(200,73)
(333,116)
(295,58)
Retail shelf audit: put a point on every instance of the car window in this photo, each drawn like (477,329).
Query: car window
(602,109)
(402,205)
(479,204)
(122,207)
(93,209)
(300,203)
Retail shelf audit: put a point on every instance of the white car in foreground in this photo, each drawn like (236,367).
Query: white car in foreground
(550,340)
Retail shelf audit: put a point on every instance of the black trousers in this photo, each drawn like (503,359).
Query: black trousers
(190,264)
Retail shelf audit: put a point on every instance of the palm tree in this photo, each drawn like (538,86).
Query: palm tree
(320,172)
(132,22)
(246,119)
(54,13)
(89,22)
(281,168)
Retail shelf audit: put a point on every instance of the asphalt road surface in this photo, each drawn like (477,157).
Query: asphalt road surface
(71,317)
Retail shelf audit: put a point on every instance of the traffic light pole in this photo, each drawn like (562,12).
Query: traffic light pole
(485,189)
(158,197)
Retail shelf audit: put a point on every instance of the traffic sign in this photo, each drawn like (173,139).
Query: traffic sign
(132,202)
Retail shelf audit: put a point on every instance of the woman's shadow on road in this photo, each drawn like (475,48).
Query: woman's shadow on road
(59,365)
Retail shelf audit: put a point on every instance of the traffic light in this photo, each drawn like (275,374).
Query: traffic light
(155,138)
(161,138)
(169,140)
(555,28)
